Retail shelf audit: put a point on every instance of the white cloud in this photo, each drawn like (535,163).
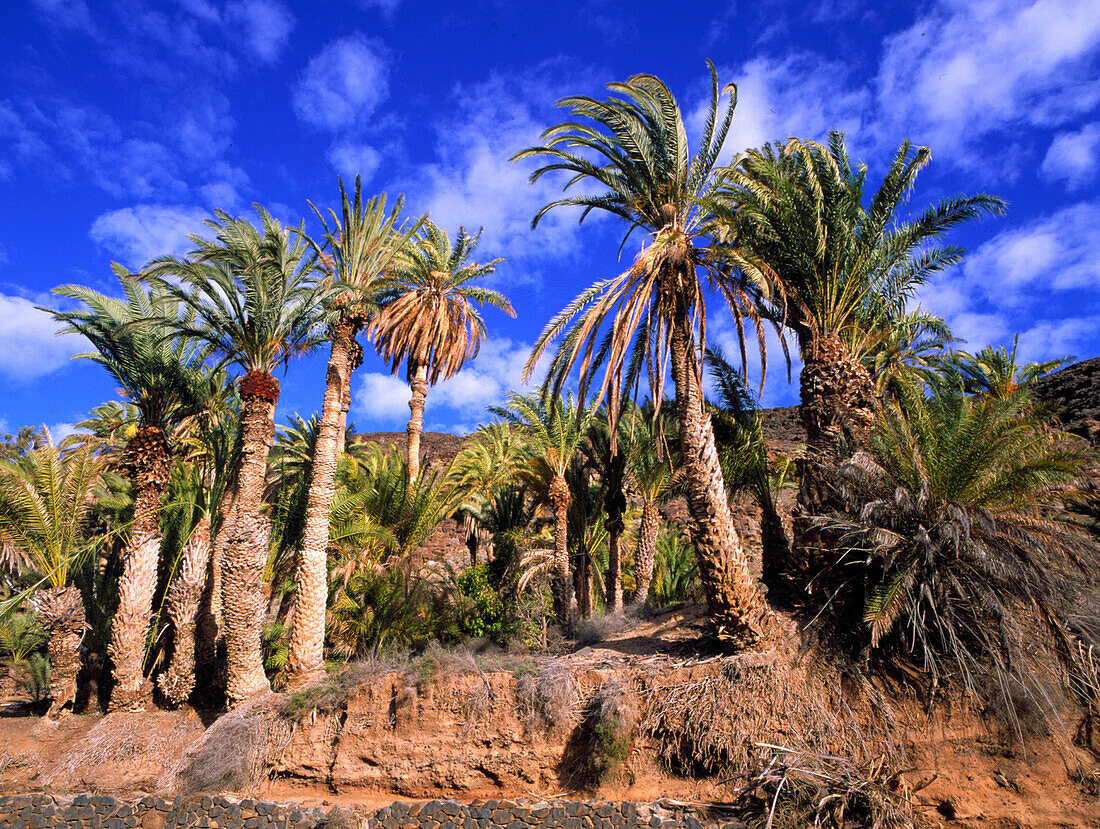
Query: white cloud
(1051,339)
(473,184)
(382,397)
(972,67)
(800,94)
(1021,275)
(137,234)
(61,430)
(483,382)
(352,159)
(1057,253)
(29,345)
(342,84)
(1073,156)
(265,26)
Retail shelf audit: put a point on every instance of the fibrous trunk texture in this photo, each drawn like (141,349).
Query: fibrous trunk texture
(837,397)
(245,550)
(560,584)
(418,380)
(61,612)
(736,605)
(182,603)
(307,634)
(613,587)
(646,553)
(148,458)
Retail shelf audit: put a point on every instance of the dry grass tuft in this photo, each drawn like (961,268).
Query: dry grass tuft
(150,742)
(796,789)
(548,698)
(236,752)
(709,718)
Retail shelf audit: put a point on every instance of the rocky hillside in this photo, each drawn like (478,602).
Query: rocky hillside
(1074,392)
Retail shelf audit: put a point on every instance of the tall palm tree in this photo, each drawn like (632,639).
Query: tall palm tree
(359,246)
(432,326)
(634,147)
(839,269)
(45,501)
(552,436)
(161,375)
(255,299)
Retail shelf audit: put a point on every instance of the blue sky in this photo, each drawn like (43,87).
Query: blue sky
(123,123)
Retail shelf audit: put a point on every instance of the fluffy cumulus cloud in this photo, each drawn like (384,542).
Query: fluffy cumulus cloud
(342,84)
(1074,156)
(1010,282)
(136,234)
(72,15)
(968,68)
(265,26)
(1060,252)
(383,399)
(800,94)
(29,344)
(353,159)
(472,182)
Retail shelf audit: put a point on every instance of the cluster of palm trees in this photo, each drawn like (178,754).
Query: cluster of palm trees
(787,237)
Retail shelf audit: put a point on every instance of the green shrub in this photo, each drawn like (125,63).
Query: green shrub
(484,612)
(676,571)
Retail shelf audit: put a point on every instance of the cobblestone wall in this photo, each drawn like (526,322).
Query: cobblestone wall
(42,811)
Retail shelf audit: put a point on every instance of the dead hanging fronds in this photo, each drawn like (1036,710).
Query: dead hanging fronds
(548,697)
(707,722)
(797,789)
(617,717)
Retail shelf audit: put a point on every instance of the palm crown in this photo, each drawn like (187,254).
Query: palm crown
(253,291)
(654,183)
(433,320)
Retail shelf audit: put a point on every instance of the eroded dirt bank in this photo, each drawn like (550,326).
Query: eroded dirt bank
(617,721)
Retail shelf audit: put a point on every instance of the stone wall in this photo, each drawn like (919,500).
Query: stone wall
(43,811)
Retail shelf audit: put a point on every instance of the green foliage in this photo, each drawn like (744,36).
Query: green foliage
(484,613)
(275,646)
(676,571)
(26,439)
(22,641)
(383,610)
(951,560)
(612,746)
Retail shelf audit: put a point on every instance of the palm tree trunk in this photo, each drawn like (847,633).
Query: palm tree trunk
(613,586)
(183,603)
(61,612)
(736,604)
(838,397)
(418,380)
(560,584)
(246,535)
(307,634)
(646,553)
(148,456)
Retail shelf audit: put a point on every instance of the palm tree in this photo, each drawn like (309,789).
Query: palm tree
(161,375)
(961,570)
(432,326)
(361,245)
(995,372)
(255,301)
(655,313)
(656,477)
(743,453)
(485,466)
(45,500)
(837,272)
(202,475)
(552,436)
